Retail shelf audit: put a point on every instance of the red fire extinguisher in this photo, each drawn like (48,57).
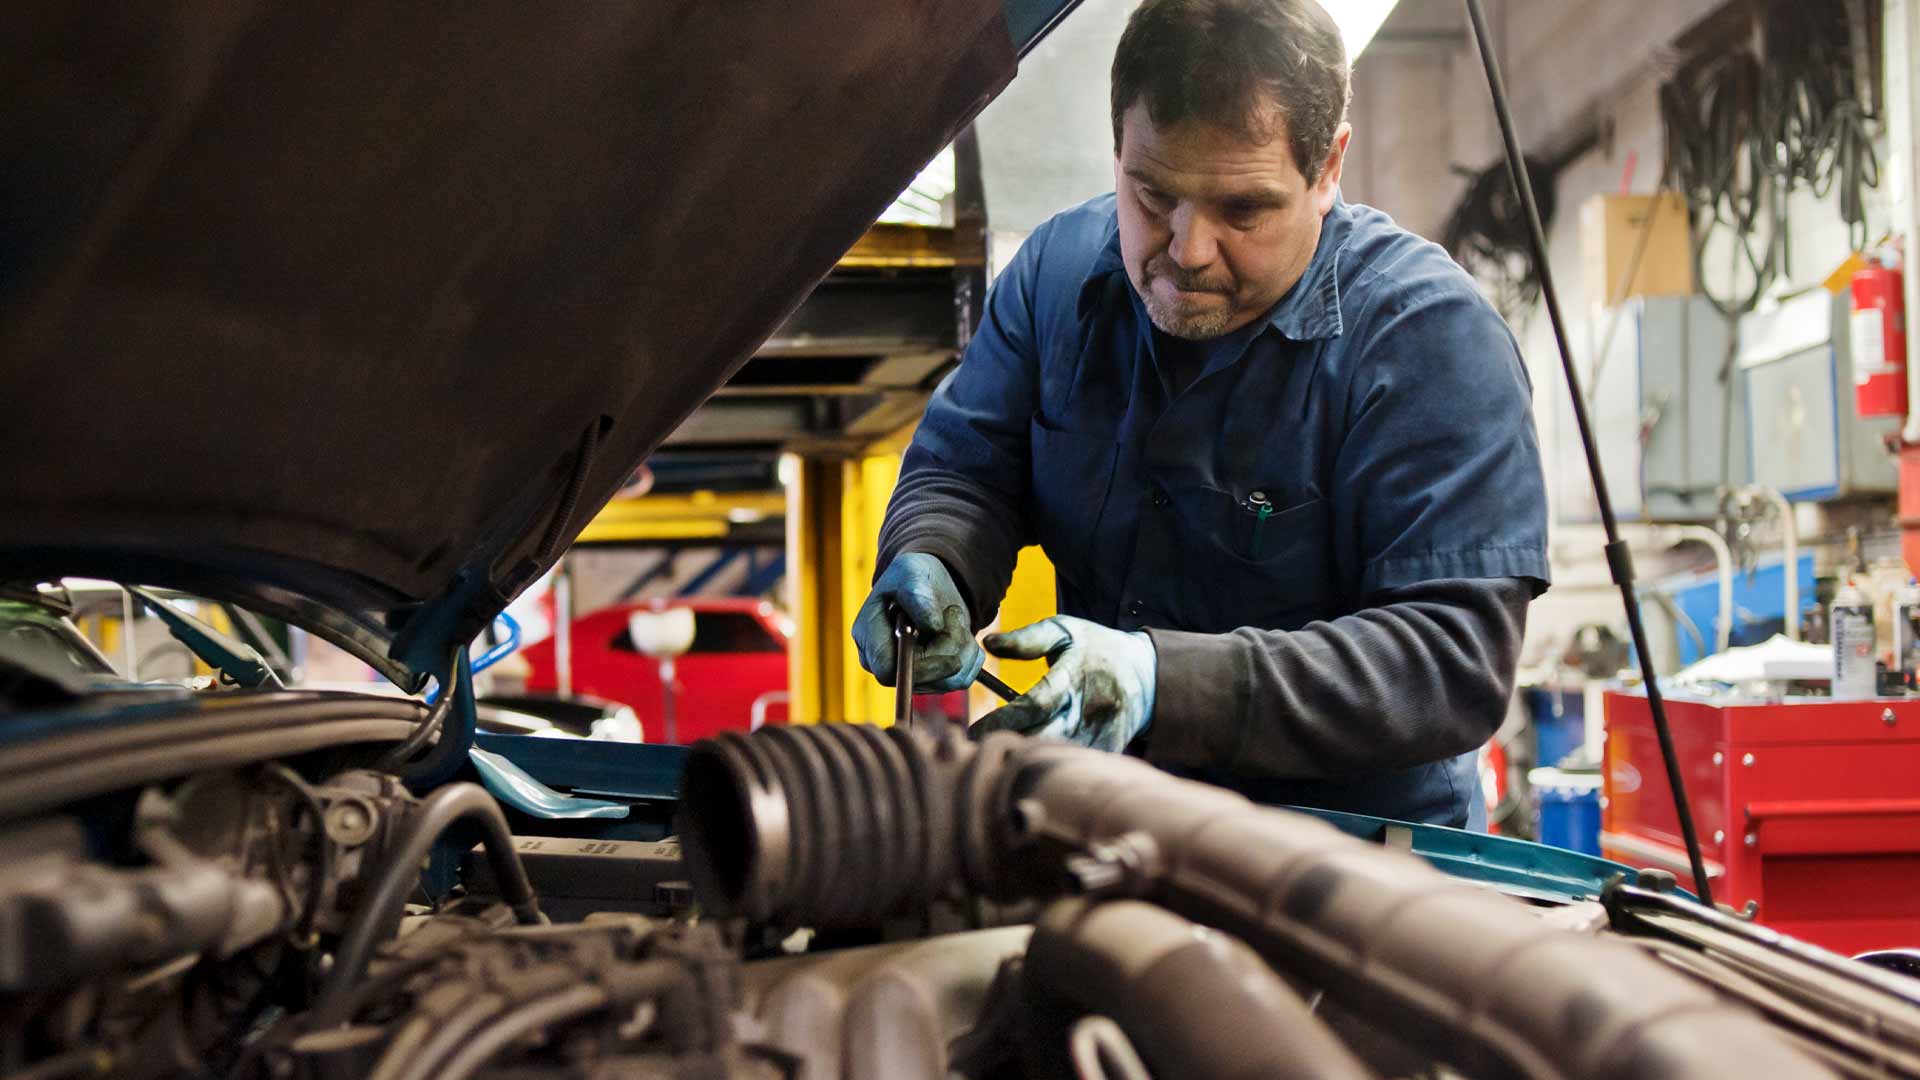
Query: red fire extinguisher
(1879,340)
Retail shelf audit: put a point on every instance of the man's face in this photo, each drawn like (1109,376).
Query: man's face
(1214,226)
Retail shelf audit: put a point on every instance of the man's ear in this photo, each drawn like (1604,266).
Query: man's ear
(1328,185)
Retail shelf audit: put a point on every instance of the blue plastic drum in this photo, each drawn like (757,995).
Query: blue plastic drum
(1567,809)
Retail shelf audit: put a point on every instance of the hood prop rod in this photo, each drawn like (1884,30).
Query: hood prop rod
(234,662)
(1619,559)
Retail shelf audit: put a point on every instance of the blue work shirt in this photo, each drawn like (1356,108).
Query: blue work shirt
(1371,432)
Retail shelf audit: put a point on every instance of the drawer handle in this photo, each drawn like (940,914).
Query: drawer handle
(1829,808)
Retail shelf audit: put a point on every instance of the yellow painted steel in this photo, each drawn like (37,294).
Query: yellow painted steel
(215,616)
(869,482)
(105,632)
(897,245)
(894,445)
(798,592)
(834,511)
(813,578)
(700,515)
(1030,598)
(672,529)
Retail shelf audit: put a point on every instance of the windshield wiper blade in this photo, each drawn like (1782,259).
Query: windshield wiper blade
(235,662)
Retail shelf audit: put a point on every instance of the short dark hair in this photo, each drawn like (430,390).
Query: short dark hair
(1228,62)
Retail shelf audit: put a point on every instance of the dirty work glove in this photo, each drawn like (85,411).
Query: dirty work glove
(1099,693)
(945,655)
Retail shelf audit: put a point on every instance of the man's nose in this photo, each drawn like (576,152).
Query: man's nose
(1194,245)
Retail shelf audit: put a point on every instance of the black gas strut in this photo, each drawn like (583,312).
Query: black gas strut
(1619,559)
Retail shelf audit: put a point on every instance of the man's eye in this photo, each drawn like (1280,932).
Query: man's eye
(1246,218)
(1157,201)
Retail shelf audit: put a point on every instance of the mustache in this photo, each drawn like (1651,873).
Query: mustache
(1160,266)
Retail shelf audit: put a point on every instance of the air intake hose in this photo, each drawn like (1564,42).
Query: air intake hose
(1195,1002)
(840,824)
(834,825)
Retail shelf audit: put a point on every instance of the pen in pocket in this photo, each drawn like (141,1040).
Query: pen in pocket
(1261,508)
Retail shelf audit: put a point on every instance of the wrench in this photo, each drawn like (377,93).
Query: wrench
(903,639)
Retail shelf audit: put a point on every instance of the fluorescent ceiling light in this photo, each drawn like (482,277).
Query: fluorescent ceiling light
(924,201)
(1358,21)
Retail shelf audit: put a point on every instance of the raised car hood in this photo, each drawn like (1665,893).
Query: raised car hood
(365,308)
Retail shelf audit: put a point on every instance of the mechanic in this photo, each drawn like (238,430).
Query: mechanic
(1279,451)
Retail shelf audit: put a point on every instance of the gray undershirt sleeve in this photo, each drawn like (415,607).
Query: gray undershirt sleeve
(1423,674)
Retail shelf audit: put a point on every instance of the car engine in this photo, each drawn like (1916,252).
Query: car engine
(865,903)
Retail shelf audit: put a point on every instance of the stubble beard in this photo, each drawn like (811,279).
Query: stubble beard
(1175,321)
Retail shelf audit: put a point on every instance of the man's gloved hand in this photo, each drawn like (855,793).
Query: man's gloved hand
(945,655)
(1099,693)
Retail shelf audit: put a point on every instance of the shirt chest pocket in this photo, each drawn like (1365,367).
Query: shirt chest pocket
(1072,476)
(1249,561)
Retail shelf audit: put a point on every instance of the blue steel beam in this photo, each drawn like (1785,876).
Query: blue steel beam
(705,577)
(764,578)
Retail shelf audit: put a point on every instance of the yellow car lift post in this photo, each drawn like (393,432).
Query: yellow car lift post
(696,516)
(833,507)
(834,511)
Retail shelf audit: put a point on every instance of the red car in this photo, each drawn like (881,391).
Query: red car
(738,658)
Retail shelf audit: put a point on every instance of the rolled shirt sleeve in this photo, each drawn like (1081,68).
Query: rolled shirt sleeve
(1439,474)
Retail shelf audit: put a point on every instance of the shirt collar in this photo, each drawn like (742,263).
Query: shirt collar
(1310,311)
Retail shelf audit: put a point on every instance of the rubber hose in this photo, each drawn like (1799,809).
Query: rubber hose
(403,1046)
(436,717)
(1463,974)
(1195,1002)
(518,1024)
(846,823)
(379,914)
(456,729)
(446,1039)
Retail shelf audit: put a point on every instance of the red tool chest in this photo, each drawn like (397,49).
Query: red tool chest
(1806,806)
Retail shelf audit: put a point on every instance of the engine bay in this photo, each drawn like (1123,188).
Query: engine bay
(849,901)
(354,317)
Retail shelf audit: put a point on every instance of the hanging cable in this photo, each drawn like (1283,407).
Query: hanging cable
(1619,559)
(1747,127)
(1487,234)
(320,885)
(1714,159)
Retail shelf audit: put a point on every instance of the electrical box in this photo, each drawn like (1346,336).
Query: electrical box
(1666,403)
(1806,438)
